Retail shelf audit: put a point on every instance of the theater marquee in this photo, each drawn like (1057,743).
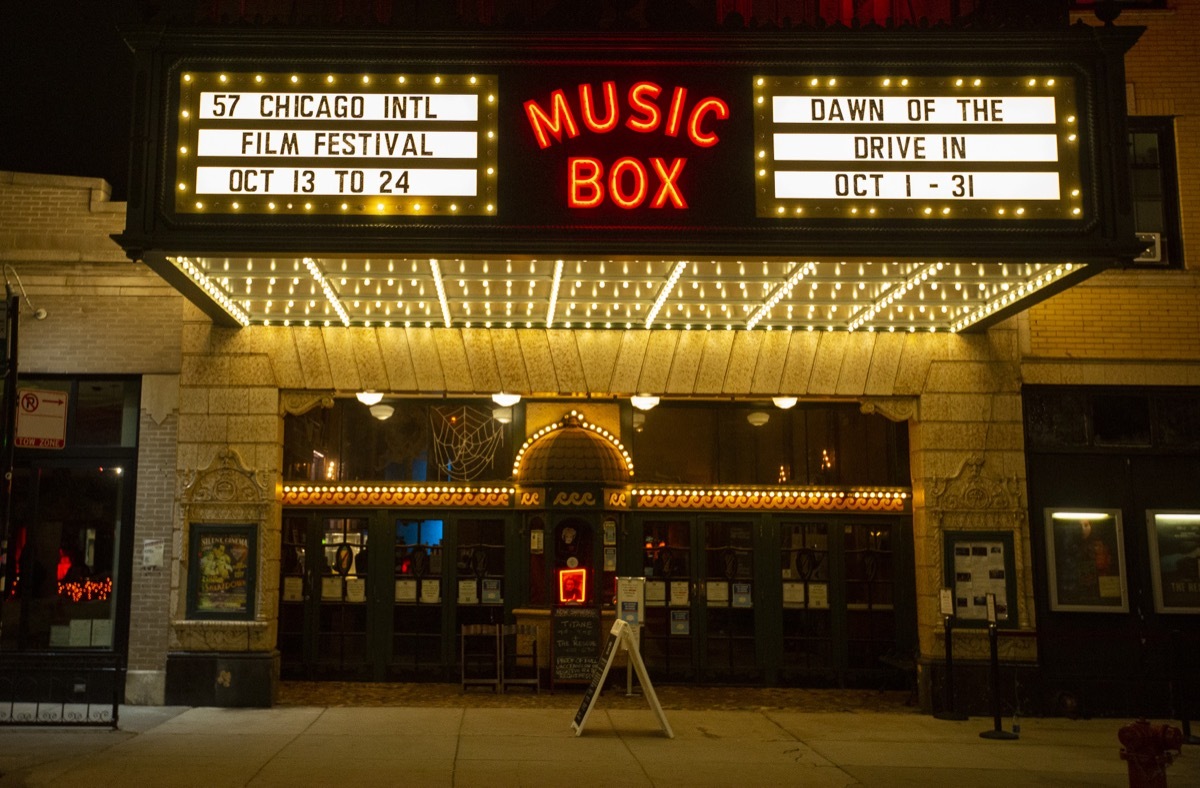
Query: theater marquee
(893,147)
(327,143)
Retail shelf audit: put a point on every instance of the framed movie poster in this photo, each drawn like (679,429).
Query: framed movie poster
(1085,560)
(1175,560)
(979,563)
(222,571)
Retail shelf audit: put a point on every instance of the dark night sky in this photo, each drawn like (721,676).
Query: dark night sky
(66,87)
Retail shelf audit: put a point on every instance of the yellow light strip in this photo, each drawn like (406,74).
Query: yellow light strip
(436,270)
(665,293)
(756,499)
(330,295)
(930,271)
(781,292)
(204,282)
(1013,294)
(396,495)
(558,269)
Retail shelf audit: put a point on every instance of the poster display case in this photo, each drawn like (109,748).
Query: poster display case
(1175,560)
(1085,561)
(223,572)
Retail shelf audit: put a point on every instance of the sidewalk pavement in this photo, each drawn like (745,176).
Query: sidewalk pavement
(469,745)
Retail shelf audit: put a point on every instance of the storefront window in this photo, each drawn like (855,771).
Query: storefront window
(418,441)
(62,568)
(809,444)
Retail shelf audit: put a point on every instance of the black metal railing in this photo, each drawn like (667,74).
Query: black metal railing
(52,689)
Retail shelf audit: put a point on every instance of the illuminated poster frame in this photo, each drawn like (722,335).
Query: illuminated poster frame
(1175,559)
(352,144)
(1085,561)
(939,148)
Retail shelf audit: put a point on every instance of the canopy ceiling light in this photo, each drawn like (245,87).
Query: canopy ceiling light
(382,412)
(773,294)
(758,418)
(785,402)
(502,414)
(644,401)
(370,397)
(639,421)
(505,400)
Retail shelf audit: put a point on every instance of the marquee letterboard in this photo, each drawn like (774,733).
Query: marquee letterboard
(349,144)
(941,148)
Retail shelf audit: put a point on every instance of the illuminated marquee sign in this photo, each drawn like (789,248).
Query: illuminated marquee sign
(644,108)
(374,144)
(912,148)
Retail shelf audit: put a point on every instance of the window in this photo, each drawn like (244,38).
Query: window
(1155,190)
(65,568)
(1124,5)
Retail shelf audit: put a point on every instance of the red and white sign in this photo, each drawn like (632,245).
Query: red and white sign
(41,419)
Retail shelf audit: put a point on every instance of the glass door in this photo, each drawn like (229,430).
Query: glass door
(667,645)
(342,618)
(870,594)
(416,620)
(807,622)
(725,608)
(297,611)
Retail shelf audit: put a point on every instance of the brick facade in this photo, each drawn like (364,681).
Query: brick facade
(961,395)
(105,316)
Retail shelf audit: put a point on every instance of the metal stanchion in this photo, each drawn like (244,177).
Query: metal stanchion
(948,712)
(997,732)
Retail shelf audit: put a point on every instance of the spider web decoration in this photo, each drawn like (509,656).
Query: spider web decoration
(465,441)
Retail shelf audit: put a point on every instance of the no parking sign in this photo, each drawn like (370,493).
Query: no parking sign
(41,419)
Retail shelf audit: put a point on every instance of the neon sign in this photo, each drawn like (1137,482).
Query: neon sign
(572,586)
(627,182)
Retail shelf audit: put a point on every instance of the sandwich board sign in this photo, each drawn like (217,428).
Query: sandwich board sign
(619,634)
(41,419)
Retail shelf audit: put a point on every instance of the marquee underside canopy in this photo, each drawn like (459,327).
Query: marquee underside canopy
(615,292)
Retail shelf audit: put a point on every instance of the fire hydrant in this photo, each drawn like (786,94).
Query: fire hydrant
(1147,751)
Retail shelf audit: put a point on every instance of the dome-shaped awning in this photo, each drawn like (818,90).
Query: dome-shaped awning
(573,450)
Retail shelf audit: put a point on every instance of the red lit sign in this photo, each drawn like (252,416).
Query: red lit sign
(572,586)
(628,181)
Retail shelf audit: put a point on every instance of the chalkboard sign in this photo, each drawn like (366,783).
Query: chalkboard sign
(599,671)
(575,632)
(621,632)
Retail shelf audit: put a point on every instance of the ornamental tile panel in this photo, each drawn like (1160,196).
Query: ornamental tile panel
(454,359)
(568,367)
(426,363)
(797,368)
(314,362)
(768,367)
(685,366)
(536,362)
(397,360)
(631,357)
(831,349)
(885,361)
(285,361)
(856,364)
(598,353)
(742,361)
(368,356)
(481,359)
(339,345)
(914,364)
(656,365)
(714,362)
(510,363)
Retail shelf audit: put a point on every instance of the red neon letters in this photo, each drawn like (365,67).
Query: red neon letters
(627,181)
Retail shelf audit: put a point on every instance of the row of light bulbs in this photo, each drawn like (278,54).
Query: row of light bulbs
(583,422)
(904,305)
